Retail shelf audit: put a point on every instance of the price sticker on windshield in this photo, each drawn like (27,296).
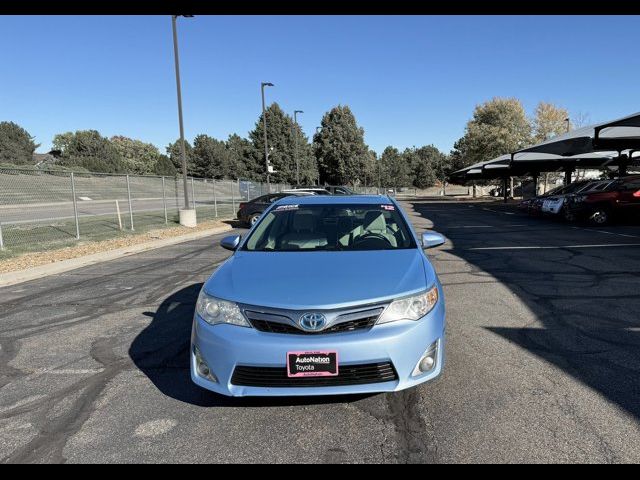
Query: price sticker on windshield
(389,208)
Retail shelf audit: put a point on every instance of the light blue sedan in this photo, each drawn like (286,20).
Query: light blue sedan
(325,295)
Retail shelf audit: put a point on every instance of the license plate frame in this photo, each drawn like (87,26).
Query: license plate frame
(312,363)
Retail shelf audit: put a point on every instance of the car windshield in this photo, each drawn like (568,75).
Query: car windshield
(331,227)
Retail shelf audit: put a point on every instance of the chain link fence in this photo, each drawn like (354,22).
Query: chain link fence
(40,210)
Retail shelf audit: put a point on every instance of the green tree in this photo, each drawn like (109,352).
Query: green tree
(211,159)
(282,138)
(244,158)
(175,155)
(139,157)
(164,167)
(89,150)
(499,126)
(16,145)
(340,148)
(396,167)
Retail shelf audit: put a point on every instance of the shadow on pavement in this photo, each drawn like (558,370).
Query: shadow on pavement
(586,299)
(161,352)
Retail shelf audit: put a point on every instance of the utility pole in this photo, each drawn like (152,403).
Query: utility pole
(264,126)
(187,215)
(295,144)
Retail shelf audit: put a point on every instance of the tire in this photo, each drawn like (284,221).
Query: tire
(600,216)
(253,219)
(568,215)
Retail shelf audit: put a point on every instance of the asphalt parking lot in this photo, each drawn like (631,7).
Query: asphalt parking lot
(543,359)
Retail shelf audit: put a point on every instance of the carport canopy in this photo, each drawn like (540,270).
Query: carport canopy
(618,135)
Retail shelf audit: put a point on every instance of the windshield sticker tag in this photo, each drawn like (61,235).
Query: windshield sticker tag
(390,208)
(285,208)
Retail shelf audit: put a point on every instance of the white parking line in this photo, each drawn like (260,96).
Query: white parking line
(559,247)
(606,232)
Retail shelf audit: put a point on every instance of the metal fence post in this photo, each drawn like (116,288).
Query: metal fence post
(130,205)
(1,239)
(233,202)
(164,202)
(215,198)
(75,205)
(193,193)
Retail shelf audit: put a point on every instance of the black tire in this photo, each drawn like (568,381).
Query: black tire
(253,219)
(568,215)
(600,216)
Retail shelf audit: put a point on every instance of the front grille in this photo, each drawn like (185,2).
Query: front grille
(348,375)
(284,322)
(275,327)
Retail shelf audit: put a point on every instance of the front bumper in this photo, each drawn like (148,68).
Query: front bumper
(223,347)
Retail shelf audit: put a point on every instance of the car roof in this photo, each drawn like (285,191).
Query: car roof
(337,200)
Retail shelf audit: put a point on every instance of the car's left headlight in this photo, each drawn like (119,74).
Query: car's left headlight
(215,311)
(411,308)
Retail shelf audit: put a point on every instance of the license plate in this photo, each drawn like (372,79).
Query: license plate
(312,364)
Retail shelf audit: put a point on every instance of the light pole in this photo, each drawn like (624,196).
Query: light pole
(295,144)
(264,126)
(568,124)
(188,218)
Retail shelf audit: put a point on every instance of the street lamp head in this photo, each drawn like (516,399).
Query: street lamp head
(267,84)
(185,16)
(298,111)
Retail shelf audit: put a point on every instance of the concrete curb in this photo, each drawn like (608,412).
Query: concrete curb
(14,278)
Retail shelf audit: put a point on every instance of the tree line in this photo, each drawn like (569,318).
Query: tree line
(337,154)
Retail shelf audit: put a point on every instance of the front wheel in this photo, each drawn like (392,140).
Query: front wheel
(253,219)
(600,216)
(568,215)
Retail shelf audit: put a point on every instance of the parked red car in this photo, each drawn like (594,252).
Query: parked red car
(617,200)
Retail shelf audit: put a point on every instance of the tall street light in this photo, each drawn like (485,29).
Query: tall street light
(568,124)
(188,218)
(295,144)
(264,124)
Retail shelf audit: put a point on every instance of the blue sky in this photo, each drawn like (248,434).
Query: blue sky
(409,80)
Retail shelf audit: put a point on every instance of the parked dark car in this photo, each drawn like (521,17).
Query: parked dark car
(610,201)
(339,190)
(533,206)
(249,212)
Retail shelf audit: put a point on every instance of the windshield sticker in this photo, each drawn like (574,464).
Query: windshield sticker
(390,208)
(286,208)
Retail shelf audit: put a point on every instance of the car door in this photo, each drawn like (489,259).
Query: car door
(629,198)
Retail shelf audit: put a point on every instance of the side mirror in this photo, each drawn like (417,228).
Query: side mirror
(432,240)
(231,242)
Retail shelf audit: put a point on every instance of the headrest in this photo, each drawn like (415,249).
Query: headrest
(374,221)
(303,221)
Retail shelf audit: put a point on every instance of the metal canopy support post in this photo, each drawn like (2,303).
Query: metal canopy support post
(568,176)
(505,187)
(536,179)
(1,238)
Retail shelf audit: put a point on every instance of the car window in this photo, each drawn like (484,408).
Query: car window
(331,227)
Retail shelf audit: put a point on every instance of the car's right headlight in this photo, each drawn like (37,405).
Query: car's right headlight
(411,308)
(215,311)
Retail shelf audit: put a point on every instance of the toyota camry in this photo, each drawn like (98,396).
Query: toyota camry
(324,295)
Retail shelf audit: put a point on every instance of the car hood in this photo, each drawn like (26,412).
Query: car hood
(320,280)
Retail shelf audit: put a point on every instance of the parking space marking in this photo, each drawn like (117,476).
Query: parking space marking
(542,247)
(606,232)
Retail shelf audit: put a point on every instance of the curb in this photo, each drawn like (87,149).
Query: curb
(14,278)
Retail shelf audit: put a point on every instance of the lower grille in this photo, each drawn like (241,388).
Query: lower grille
(348,375)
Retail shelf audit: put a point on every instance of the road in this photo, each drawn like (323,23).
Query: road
(543,360)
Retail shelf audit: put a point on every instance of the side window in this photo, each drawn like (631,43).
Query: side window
(632,186)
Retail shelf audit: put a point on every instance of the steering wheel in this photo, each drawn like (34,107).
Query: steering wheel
(372,236)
